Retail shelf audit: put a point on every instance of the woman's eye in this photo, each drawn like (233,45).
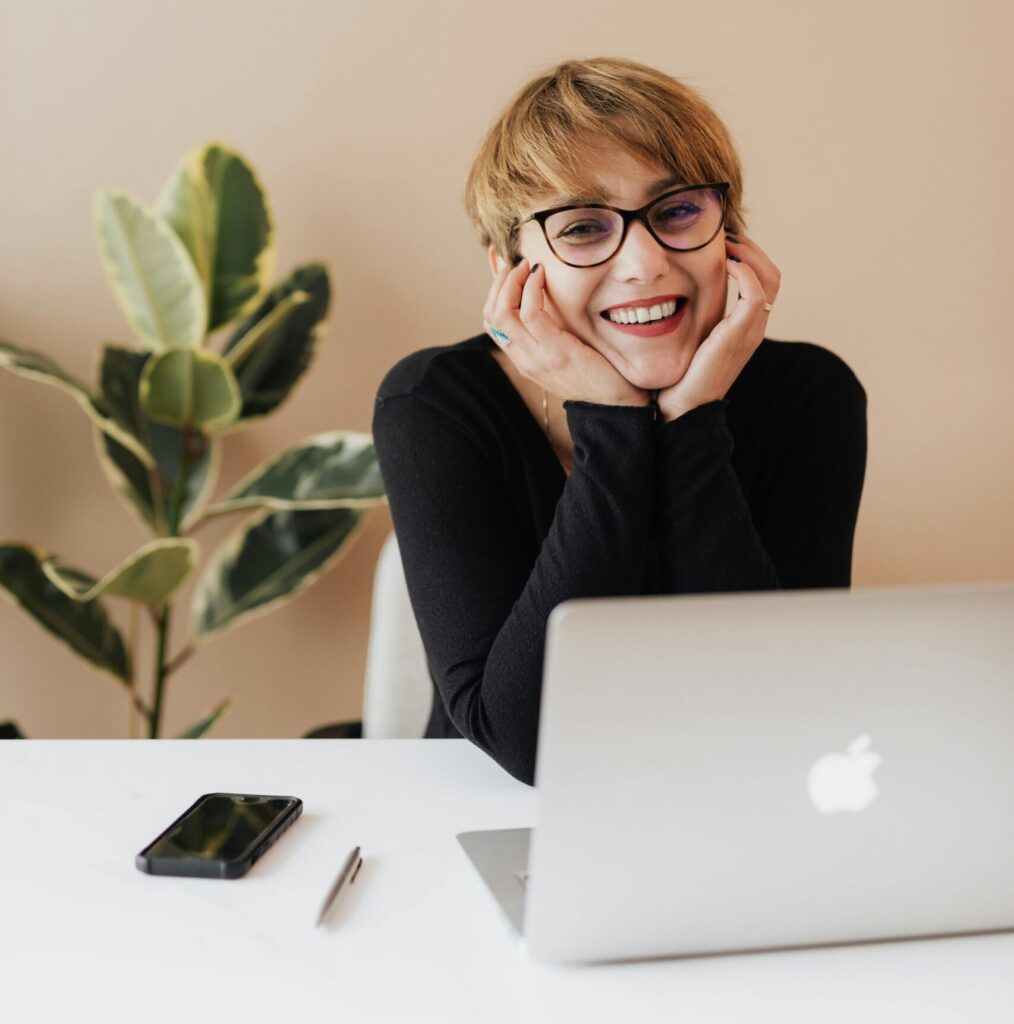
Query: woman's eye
(678,211)
(582,230)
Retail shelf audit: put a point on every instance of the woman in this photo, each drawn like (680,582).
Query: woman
(613,431)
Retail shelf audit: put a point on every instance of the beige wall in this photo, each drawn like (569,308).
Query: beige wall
(876,139)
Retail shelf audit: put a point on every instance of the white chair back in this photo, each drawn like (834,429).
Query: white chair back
(398,693)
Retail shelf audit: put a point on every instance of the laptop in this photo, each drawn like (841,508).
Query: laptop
(735,772)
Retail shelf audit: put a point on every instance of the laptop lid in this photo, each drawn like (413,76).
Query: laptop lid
(729,772)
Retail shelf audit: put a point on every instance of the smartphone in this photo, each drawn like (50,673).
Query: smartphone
(221,835)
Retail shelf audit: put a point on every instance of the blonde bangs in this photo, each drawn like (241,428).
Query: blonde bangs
(544,142)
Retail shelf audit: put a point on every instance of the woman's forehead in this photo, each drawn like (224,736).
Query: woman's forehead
(637,192)
(609,174)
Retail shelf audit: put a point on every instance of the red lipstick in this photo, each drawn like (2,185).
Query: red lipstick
(652,300)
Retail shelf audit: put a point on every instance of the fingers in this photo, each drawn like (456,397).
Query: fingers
(509,299)
(752,298)
(533,294)
(503,302)
(533,312)
(749,252)
(518,309)
(494,291)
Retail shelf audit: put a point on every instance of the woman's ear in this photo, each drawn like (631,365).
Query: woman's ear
(495,262)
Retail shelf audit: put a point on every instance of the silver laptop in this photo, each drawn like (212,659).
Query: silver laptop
(734,772)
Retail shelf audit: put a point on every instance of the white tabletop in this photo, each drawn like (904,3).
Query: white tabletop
(85,935)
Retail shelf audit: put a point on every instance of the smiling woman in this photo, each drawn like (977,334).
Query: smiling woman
(613,431)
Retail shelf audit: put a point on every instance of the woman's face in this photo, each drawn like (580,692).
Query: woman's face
(641,270)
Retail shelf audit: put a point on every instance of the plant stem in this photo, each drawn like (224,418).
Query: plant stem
(179,659)
(162,669)
(180,484)
(132,721)
(160,672)
(140,707)
(155,490)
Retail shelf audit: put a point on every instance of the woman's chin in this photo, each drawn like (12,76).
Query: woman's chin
(653,370)
(655,378)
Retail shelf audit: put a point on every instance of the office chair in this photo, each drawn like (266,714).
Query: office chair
(397,691)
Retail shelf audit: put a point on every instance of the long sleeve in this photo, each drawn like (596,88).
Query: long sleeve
(797,528)
(706,538)
(480,604)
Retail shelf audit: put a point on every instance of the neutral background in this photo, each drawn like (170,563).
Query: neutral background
(876,140)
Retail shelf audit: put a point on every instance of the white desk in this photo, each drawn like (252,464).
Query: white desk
(85,936)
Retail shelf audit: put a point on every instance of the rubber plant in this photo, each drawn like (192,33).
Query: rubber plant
(200,260)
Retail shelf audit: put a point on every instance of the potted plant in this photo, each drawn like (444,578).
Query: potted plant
(199,261)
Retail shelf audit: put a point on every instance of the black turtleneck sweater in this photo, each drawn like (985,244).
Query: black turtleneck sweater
(754,492)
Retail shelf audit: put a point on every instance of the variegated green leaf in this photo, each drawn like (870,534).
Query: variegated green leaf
(332,470)
(37,366)
(264,329)
(119,378)
(148,493)
(189,387)
(267,562)
(202,725)
(150,575)
(84,626)
(269,364)
(150,271)
(219,210)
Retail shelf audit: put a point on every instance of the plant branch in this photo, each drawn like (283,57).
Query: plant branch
(179,660)
(160,672)
(132,723)
(139,705)
(197,524)
(162,669)
(155,490)
(180,484)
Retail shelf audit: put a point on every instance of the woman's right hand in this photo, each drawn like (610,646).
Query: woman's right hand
(543,351)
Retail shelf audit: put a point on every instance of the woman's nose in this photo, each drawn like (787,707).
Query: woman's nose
(640,257)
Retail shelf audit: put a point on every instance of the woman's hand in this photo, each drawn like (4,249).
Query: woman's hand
(721,356)
(545,353)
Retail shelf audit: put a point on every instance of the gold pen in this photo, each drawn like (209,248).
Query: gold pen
(352,861)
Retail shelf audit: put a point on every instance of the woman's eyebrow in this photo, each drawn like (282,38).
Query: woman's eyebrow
(594,195)
(663,185)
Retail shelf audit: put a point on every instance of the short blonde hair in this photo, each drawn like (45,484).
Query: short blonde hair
(539,144)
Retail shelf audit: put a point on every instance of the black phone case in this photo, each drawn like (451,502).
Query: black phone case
(201,867)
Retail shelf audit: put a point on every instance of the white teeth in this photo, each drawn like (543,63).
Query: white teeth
(642,314)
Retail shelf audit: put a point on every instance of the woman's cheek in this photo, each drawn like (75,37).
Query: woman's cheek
(554,312)
(713,309)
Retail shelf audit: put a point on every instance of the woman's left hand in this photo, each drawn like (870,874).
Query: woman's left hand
(721,356)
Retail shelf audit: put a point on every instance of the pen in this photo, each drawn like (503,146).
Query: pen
(353,860)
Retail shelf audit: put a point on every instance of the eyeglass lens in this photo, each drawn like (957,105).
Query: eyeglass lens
(685,220)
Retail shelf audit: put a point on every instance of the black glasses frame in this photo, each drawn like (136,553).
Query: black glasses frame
(629,216)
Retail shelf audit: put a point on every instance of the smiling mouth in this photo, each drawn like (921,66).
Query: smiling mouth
(644,314)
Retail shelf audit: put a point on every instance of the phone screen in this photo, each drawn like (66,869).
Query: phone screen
(229,828)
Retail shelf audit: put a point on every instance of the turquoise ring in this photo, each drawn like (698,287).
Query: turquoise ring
(500,336)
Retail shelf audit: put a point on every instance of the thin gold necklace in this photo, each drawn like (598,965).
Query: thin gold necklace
(545,426)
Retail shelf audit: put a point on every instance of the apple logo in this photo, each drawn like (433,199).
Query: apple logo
(843,782)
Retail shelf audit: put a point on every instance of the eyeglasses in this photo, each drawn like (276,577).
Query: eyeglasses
(685,219)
